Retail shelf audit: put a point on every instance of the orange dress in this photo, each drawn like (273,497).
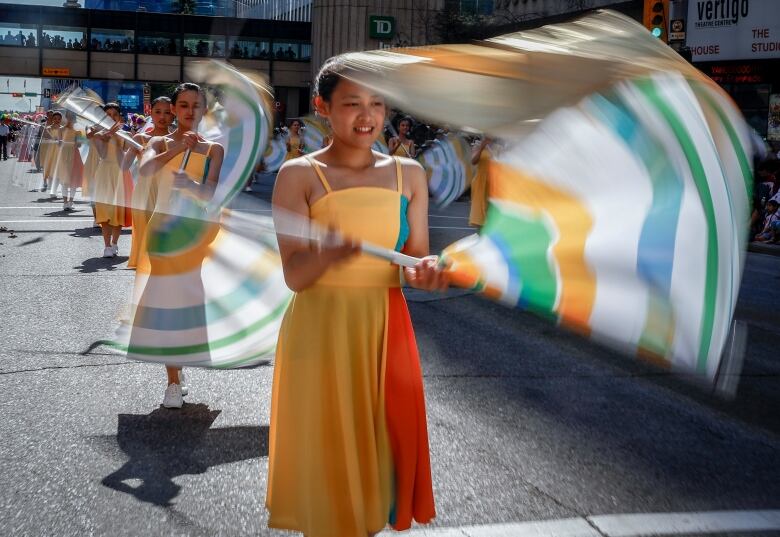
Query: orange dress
(348,450)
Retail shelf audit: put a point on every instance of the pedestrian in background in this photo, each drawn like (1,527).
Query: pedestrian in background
(5,132)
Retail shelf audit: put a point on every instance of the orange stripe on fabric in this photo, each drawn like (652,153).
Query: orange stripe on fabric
(405,416)
(573,223)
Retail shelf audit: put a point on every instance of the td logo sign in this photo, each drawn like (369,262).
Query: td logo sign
(381,27)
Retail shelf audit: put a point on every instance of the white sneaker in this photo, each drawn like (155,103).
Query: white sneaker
(108,252)
(115,249)
(173,397)
(65,206)
(184,389)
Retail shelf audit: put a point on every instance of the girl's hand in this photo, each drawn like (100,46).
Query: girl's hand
(334,249)
(182,181)
(191,140)
(427,275)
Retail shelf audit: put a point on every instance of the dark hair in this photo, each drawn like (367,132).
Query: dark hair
(773,202)
(115,106)
(408,119)
(161,99)
(187,86)
(329,77)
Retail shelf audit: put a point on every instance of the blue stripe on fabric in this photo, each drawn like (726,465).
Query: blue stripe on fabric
(513,268)
(655,255)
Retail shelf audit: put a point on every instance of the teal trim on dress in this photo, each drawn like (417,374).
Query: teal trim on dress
(403,232)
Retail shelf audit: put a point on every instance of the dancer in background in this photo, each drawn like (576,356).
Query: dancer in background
(479,183)
(111,211)
(68,171)
(48,149)
(145,191)
(90,165)
(54,153)
(184,167)
(348,438)
(41,149)
(402,145)
(294,141)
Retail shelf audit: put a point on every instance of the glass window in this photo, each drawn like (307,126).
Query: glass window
(306,51)
(64,37)
(254,49)
(286,51)
(204,46)
(159,43)
(112,40)
(18,35)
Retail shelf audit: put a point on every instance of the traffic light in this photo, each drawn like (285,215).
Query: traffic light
(655,18)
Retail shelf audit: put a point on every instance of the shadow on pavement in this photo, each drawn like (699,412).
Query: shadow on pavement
(31,241)
(169,443)
(97,264)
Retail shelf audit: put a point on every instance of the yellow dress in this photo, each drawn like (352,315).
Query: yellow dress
(49,150)
(143,202)
(68,171)
(404,149)
(110,195)
(348,450)
(173,250)
(90,165)
(295,143)
(479,190)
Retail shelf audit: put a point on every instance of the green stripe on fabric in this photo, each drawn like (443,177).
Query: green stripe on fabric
(648,88)
(744,163)
(241,361)
(254,156)
(524,243)
(208,345)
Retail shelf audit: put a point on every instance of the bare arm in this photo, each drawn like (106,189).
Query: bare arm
(426,274)
(392,144)
(157,155)
(302,262)
(477,154)
(132,153)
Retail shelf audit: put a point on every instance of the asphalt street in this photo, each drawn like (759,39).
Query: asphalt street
(527,423)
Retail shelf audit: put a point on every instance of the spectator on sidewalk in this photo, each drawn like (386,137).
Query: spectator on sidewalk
(4,132)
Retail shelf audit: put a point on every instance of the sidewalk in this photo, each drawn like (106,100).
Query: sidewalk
(764,248)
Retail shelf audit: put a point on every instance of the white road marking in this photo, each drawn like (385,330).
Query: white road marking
(679,523)
(623,525)
(53,206)
(48,220)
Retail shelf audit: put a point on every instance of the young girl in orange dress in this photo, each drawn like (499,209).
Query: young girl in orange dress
(348,435)
(145,191)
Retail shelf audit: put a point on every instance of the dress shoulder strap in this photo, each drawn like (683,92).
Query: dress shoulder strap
(321,175)
(399,175)
(208,151)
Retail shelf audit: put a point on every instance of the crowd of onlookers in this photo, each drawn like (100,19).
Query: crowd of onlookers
(765,220)
(18,39)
